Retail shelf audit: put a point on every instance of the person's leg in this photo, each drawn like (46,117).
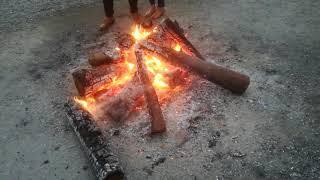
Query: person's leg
(133,6)
(152,8)
(108,11)
(161,3)
(159,10)
(134,11)
(152,2)
(108,8)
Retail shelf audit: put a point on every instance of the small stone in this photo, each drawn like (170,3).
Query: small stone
(212,142)
(238,154)
(116,132)
(45,162)
(158,161)
(85,167)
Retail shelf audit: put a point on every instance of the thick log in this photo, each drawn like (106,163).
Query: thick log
(90,80)
(104,162)
(170,30)
(99,58)
(229,79)
(118,107)
(157,121)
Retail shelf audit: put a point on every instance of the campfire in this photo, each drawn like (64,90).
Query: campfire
(153,66)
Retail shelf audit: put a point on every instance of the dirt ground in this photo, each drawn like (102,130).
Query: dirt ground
(270,132)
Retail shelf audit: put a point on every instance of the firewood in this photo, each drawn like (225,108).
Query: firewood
(104,162)
(157,121)
(118,107)
(99,58)
(169,30)
(229,79)
(90,80)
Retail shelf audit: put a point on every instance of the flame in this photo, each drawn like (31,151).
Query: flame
(177,48)
(139,33)
(86,103)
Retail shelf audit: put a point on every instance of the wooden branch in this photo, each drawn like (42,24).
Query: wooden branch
(104,162)
(170,30)
(157,124)
(229,79)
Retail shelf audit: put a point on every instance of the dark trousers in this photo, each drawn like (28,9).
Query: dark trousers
(108,7)
(160,3)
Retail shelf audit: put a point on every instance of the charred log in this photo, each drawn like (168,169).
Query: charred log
(90,80)
(229,79)
(169,30)
(157,121)
(118,107)
(104,162)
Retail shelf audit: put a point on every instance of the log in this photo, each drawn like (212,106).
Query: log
(118,107)
(170,30)
(104,162)
(157,121)
(99,58)
(90,80)
(229,79)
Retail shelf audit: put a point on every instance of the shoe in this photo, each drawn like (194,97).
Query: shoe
(150,12)
(136,17)
(107,22)
(158,13)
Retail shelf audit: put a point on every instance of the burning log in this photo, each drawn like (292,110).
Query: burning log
(88,80)
(118,108)
(104,162)
(234,81)
(157,124)
(171,30)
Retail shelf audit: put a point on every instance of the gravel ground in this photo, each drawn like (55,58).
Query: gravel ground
(271,132)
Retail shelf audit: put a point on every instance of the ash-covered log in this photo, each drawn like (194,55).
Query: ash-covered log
(157,121)
(169,30)
(104,162)
(229,79)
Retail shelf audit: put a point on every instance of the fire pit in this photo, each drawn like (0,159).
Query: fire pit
(153,66)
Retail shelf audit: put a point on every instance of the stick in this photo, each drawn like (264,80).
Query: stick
(229,79)
(157,124)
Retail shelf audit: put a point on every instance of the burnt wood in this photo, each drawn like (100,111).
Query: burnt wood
(119,106)
(157,121)
(90,80)
(169,30)
(104,162)
(229,79)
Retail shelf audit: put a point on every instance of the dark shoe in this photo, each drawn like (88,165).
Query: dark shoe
(107,22)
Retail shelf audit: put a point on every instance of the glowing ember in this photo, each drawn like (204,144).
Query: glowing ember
(139,33)
(86,103)
(177,48)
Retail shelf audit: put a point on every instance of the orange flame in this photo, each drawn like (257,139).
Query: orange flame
(177,48)
(86,103)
